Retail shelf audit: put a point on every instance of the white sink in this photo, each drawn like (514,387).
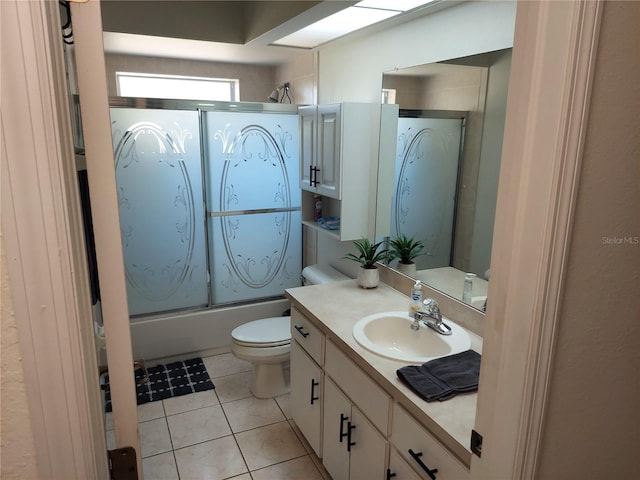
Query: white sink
(389,334)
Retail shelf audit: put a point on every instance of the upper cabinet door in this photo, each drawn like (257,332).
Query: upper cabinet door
(320,135)
(328,156)
(308,138)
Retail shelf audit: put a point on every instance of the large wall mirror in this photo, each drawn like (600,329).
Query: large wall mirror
(441,142)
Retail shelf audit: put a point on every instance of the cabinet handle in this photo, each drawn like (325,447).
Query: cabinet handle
(350,428)
(314,384)
(416,457)
(300,331)
(315,176)
(343,417)
(390,474)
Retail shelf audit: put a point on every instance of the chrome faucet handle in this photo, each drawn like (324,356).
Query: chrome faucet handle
(432,308)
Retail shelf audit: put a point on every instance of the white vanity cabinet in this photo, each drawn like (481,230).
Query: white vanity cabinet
(307,379)
(422,451)
(339,148)
(352,448)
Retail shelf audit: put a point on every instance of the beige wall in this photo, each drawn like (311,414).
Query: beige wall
(256,81)
(16,436)
(592,427)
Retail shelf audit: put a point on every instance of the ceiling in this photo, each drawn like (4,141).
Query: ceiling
(239,31)
(236,31)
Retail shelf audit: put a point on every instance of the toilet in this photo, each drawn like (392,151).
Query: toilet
(266,342)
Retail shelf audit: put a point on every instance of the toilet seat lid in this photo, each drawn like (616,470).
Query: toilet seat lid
(266,331)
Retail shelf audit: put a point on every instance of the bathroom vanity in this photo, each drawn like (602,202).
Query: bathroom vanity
(351,407)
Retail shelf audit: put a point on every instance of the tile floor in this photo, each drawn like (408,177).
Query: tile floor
(223,433)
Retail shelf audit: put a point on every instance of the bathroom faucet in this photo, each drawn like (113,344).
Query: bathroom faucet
(431,316)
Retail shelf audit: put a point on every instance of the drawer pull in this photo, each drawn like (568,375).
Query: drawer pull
(301,331)
(390,474)
(350,428)
(314,384)
(416,457)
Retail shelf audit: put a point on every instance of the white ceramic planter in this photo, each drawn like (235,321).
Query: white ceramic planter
(368,277)
(407,268)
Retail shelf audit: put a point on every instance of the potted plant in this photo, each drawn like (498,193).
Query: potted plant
(405,249)
(369,254)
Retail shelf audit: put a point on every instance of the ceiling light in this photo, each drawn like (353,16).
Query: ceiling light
(360,15)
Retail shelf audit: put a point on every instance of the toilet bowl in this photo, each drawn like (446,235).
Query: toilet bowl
(266,342)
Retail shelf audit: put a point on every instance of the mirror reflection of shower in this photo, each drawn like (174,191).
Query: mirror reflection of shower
(429,146)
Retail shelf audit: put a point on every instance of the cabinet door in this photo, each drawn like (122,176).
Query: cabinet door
(306,396)
(308,138)
(328,153)
(335,438)
(369,450)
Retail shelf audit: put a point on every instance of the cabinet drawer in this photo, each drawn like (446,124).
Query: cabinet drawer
(308,336)
(407,434)
(372,400)
(399,468)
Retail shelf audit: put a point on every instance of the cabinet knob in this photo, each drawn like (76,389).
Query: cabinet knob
(430,472)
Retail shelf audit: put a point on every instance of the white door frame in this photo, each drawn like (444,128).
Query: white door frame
(45,256)
(553,61)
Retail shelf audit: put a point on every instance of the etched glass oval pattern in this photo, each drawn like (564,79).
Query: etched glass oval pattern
(254,172)
(157,215)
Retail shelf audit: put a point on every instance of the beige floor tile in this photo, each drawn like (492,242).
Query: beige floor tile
(154,437)
(296,469)
(160,467)
(225,364)
(150,411)
(189,402)
(265,446)
(233,387)
(251,413)
(197,426)
(213,460)
(244,476)
(283,403)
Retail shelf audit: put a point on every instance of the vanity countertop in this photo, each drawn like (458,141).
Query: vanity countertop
(335,307)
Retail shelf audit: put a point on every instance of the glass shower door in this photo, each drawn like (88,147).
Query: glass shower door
(159,179)
(253,204)
(426,176)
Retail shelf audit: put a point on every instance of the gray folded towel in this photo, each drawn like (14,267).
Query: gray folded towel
(444,377)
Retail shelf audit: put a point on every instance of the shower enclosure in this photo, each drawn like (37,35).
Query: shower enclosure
(209,205)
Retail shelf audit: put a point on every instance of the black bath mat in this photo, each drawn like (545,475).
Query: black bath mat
(166,381)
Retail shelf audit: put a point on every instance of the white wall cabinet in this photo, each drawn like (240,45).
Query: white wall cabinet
(352,448)
(321,154)
(338,161)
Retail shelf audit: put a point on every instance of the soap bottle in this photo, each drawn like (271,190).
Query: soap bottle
(468,287)
(416,298)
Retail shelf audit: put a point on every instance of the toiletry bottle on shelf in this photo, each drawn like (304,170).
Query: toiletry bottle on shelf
(317,206)
(416,298)
(468,287)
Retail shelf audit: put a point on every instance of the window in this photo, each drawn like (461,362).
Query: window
(173,86)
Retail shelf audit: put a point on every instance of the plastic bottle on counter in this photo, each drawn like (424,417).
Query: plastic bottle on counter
(468,287)
(416,298)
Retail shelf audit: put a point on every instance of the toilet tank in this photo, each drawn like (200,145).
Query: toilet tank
(316,274)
